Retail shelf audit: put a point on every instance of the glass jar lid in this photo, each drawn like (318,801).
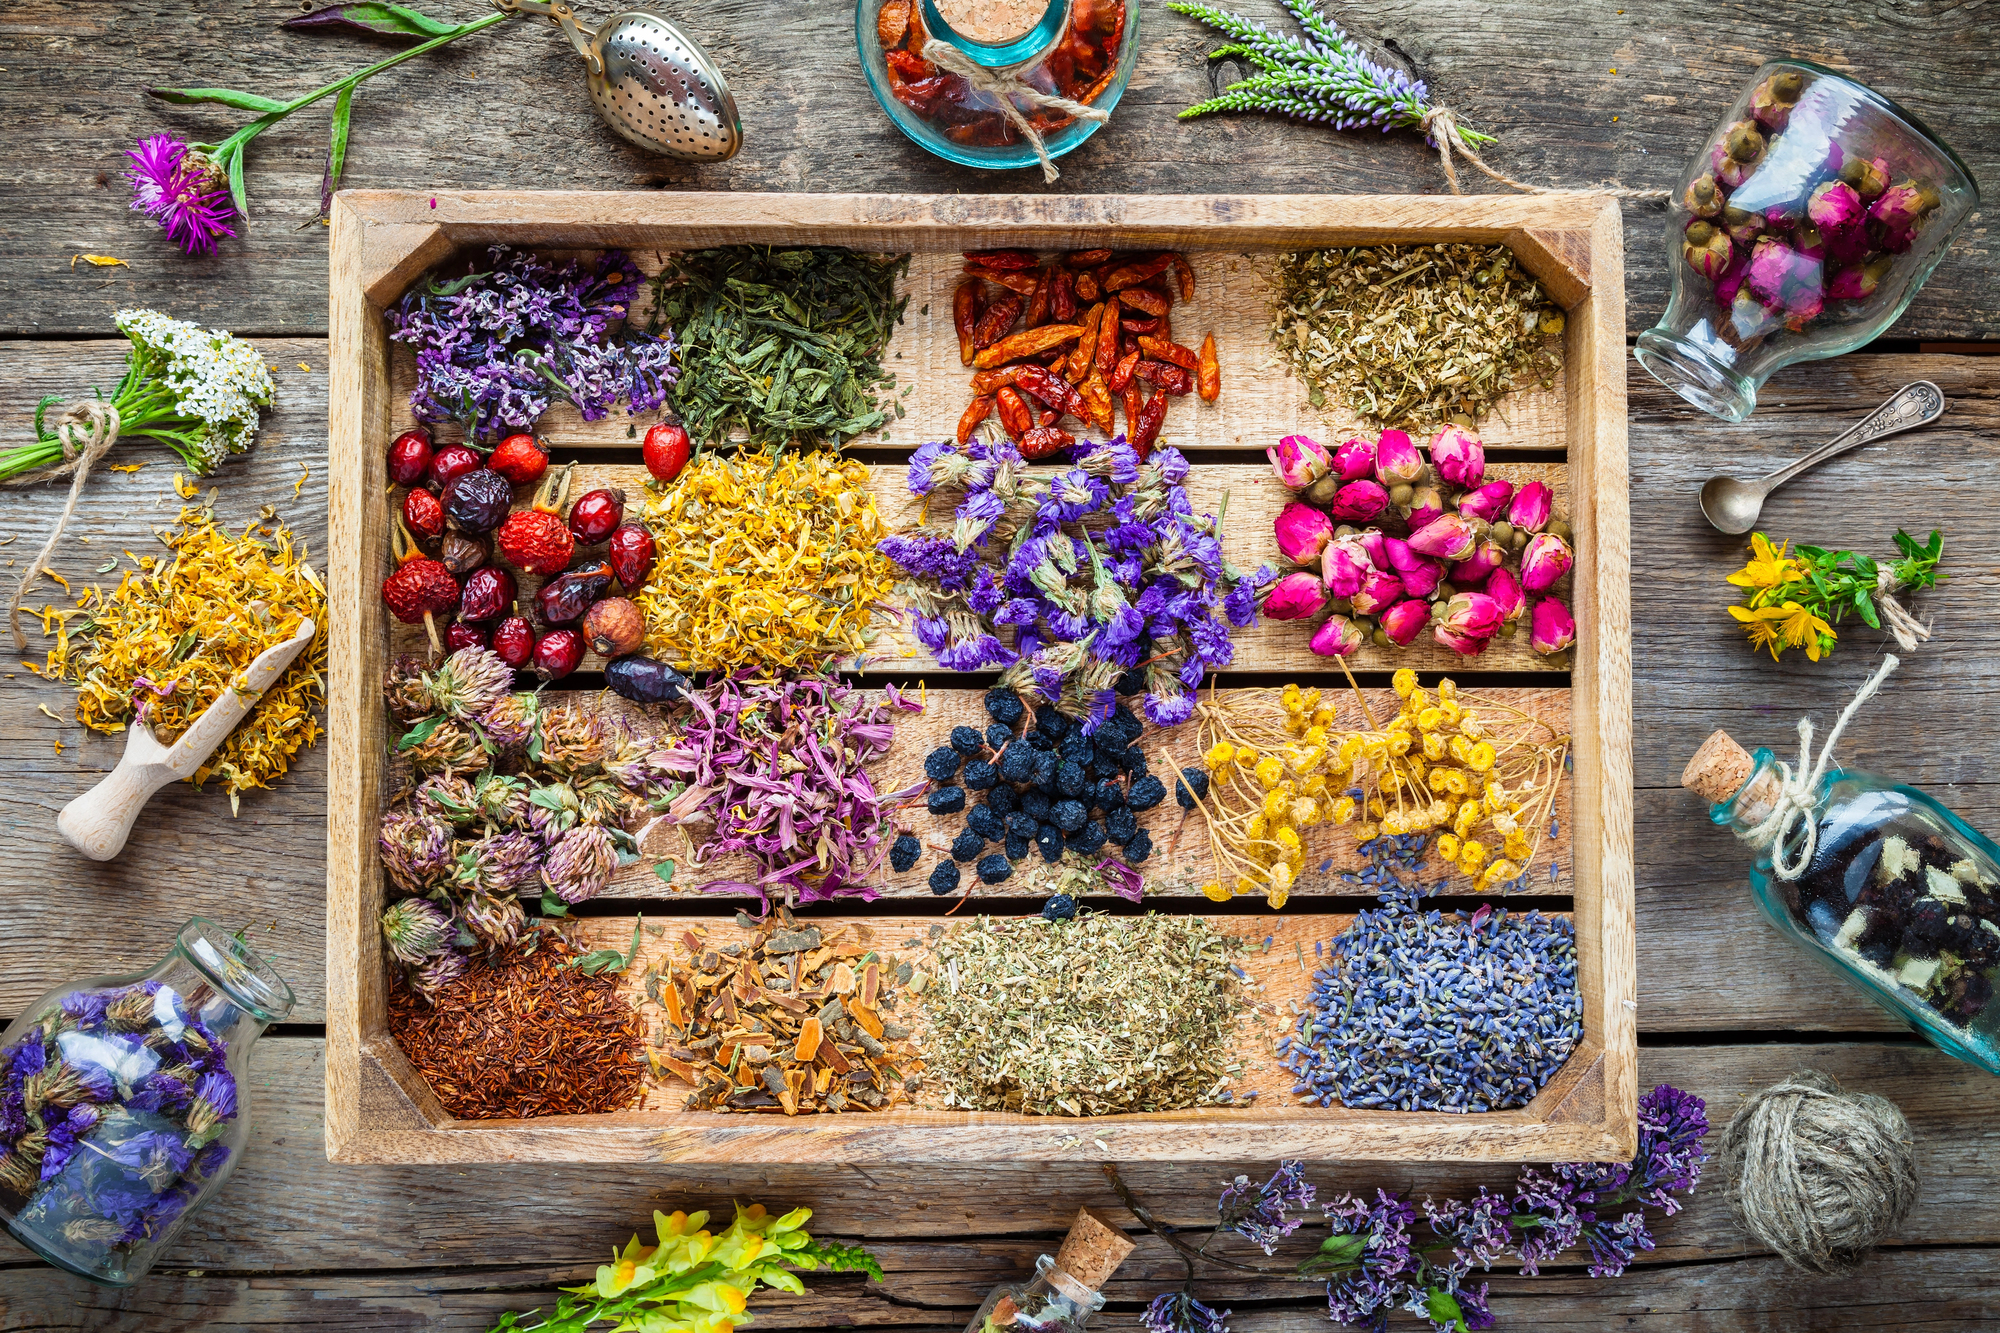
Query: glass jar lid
(997,33)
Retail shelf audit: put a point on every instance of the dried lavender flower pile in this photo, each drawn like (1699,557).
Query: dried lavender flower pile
(1094,1016)
(496,347)
(112,1115)
(1146,599)
(779,768)
(1436,1011)
(515,799)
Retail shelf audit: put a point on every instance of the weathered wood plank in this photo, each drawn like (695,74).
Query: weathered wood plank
(473,1213)
(1621,97)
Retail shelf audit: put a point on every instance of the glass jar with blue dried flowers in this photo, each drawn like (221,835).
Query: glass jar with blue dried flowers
(121,1104)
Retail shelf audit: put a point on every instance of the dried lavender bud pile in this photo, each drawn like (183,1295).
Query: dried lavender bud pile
(1424,1011)
(1096,1016)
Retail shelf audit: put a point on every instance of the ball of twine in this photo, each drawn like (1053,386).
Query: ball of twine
(1820,1175)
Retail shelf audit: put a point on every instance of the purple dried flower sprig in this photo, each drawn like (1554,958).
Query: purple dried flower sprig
(1384,1254)
(193,190)
(1140,600)
(1322,76)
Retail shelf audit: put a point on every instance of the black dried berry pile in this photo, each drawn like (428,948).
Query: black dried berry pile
(1049,790)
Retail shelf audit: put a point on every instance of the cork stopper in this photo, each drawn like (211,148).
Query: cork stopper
(1093,1249)
(1719,768)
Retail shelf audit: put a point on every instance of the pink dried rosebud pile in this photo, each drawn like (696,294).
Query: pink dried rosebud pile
(1444,549)
(1835,241)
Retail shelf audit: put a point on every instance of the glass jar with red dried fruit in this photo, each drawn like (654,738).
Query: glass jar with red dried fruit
(1081,50)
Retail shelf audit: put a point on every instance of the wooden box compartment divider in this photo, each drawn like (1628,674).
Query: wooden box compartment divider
(379,1108)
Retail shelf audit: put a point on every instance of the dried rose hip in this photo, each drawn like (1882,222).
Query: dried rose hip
(451,462)
(520,459)
(489,591)
(478,500)
(562,600)
(462,554)
(410,457)
(423,513)
(536,539)
(459,635)
(644,680)
(514,641)
(631,554)
(667,448)
(614,627)
(596,515)
(559,653)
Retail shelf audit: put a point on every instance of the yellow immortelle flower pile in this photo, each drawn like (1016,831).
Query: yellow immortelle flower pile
(765,561)
(1482,780)
(173,635)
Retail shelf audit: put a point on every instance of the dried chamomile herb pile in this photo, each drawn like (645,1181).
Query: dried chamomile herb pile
(1414,336)
(794,1020)
(173,635)
(1094,1016)
(764,560)
(780,346)
(1468,769)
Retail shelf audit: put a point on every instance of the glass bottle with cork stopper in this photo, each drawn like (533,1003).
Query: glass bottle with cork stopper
(1063,1294)
(1877,880)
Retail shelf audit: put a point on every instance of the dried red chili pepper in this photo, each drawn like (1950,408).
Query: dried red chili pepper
(1121,374)
(965,317)
(1107,337)
(1054,390)
(1005,260)
(1025,343)
(1024,283)
(1038,303)
(1161,350)
(993,326)
(910,65)
(1043,441)
(1052,359)
(1087,288)
(1208,375)
(1132,400)
(892,23)
(990,381)
(1184,276)
(1175,381)
(1087,258)
(1097,394)
(1131,275)
(1062,297)
(1015,418)
(1145,301)
(1081,360)
(1151,416)
(1151,325)
(977,411)
(922,96)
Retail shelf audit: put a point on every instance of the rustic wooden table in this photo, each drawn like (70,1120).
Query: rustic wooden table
(1578,97)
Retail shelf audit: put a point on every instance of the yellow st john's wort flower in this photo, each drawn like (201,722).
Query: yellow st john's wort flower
(1767,567)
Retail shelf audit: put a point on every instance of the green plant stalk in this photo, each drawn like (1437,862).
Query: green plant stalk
(145,408)
(229,153)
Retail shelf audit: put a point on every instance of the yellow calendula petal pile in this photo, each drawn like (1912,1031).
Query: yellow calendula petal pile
(174,634)
(764,561)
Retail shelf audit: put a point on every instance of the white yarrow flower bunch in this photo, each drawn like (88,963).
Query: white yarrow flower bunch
(218,382)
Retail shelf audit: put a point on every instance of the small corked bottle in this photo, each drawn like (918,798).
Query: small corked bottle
(1063,1294)
(1877,880)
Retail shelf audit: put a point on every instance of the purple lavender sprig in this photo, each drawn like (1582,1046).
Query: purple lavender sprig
(1323,77)
(1257,1212)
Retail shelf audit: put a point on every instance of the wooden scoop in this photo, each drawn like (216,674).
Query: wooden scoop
(98,822)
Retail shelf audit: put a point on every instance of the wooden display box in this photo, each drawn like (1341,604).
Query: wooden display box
(379,1108)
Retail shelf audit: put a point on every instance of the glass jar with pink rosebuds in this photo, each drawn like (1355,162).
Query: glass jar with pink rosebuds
(1803,228)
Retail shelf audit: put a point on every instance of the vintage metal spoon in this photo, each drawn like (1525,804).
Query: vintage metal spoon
(1732,505)
(650,82)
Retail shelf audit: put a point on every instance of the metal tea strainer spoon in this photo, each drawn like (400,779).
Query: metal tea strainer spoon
(1733,506)
(650,82)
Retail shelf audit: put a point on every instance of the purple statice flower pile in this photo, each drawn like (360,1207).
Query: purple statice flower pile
(495,347)
(112,1111)
(1257,1212)
(1140,602)
(1385,1254)
(1436,1011)
(184,191)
